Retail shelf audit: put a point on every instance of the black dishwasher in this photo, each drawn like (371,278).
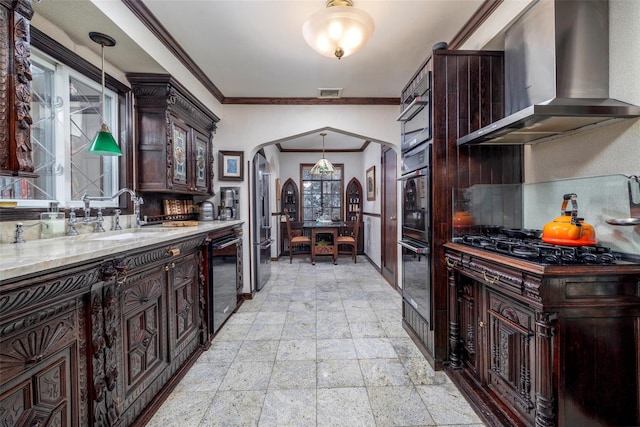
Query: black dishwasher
(223,256)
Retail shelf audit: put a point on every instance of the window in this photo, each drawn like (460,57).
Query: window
(321,194)
(66,113)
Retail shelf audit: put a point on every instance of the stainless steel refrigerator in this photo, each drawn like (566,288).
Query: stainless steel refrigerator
(261,221)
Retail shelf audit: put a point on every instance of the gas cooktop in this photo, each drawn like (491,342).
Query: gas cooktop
(527,245)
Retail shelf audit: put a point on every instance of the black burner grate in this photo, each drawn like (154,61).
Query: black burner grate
(534,249)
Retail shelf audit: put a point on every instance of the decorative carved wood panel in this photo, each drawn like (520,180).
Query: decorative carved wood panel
(144,344)
(37,368)
(512,349)
(16,151)
(184,291)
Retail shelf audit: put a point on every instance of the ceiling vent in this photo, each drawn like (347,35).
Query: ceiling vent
(329,92)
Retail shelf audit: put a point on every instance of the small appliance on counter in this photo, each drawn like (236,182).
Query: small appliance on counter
(229,203)
(206,211)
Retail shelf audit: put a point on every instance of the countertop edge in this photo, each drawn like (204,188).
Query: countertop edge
(22,259)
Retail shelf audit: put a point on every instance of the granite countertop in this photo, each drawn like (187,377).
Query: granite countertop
(19,259)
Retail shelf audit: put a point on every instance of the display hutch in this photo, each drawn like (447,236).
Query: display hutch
(353,204)
(174,133)
(353,195)
(289,199)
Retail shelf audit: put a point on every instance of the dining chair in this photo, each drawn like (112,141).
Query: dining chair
(352,238)
(296,241)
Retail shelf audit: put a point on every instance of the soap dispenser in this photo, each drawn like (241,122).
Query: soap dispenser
(53,222)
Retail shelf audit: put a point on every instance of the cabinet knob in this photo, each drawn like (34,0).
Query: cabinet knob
(174,251)
(482,324)
(392,218)
(166,268)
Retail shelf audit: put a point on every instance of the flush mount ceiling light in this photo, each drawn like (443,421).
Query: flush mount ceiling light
(339,30)
(104,144)
(324,166)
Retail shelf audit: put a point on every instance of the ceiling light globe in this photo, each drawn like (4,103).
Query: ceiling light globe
(338,29)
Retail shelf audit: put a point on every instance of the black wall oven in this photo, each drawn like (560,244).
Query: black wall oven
(416,113)
(416,232)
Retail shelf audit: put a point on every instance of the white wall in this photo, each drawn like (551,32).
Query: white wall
(372,226)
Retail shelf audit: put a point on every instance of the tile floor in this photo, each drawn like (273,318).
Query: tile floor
(319,345)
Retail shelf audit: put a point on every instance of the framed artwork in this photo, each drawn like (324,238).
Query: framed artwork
(230,167)
(371,183)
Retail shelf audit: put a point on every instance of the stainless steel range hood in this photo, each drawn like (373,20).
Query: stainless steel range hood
(556,75)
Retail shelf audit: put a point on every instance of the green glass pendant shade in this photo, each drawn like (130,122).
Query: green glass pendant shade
(104,144)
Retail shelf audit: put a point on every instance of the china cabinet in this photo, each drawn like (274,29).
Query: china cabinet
(353,196)
(290,200)
(353,205)
(174,134)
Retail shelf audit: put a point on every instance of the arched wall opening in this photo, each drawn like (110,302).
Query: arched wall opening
(252,128)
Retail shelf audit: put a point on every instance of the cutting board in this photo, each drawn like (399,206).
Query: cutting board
(180,224)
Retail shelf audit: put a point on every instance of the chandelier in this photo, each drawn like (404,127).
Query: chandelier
(339,30)
(323,166)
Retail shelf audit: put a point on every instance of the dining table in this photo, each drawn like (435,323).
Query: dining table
(323,238)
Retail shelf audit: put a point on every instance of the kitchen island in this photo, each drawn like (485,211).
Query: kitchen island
(97,329)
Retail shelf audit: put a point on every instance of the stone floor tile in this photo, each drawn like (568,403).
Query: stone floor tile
(398,406)
(289,408)
(290,374)
(344,407)
(339,373)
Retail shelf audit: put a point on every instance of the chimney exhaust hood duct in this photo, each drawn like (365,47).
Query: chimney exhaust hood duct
(556,75)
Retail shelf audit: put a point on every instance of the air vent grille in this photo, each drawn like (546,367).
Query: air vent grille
(329,92)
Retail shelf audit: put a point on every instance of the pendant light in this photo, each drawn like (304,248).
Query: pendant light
(104,144)
(323,166)
(338,30)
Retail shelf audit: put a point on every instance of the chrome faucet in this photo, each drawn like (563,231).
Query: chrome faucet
(137,201)
(20,230)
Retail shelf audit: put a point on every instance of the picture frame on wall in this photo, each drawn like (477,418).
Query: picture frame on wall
(371,183)
(230,166)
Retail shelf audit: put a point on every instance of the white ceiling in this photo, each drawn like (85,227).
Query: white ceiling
(255,48)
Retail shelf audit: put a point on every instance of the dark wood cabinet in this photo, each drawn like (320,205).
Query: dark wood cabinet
(43,360)
(353,199)
(544,345)
(16,152)
(173,135)
(160,323)
(353,205)
(103,342)
(290,200)
(467,93)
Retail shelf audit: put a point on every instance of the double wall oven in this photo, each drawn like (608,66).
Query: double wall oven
(416,231)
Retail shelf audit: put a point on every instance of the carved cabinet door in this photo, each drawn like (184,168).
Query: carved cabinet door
(512,353)
(144,350)
(184,304)
(202,168)
(39,371)
(179,155)
(471,323)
